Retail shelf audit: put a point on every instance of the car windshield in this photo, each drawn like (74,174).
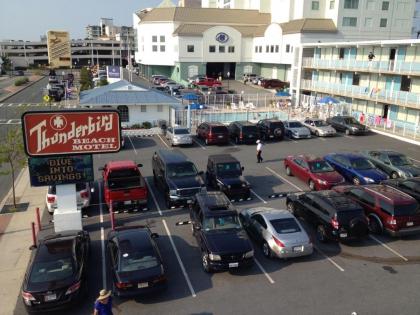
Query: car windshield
(220,129)
(181,170)
(399,160)
(249,129)
(50,271)
(181,131)
(125,178)
(320,123)
(229,169)
(295,124)
(275,125)
(320,167)
(350,120)
(221,223)
(361,164)
(137,260)
(285,226)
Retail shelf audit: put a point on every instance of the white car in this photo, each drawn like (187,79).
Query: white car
(319,127)
(83,191)
(178,136)
(295,130)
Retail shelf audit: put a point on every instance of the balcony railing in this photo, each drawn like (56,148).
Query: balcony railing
(379,95)
(394,66)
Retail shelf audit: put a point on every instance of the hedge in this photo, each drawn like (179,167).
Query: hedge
(21,81)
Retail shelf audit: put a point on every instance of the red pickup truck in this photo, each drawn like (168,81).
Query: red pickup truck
(210,82)
(124,186)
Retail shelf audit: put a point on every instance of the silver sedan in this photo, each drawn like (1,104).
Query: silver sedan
(178,136)
(319,127)
(278,231)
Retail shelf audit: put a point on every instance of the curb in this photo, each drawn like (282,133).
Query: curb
(17,180)
(396,137)
(26,86)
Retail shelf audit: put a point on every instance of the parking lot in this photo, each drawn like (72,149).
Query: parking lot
(376,276)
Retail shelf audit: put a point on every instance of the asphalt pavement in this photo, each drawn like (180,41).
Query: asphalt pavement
(376,276)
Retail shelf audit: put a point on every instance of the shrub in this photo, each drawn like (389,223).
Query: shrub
(147,125)
(21,81)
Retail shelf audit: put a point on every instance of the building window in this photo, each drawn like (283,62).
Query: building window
(370,5)
(368,22)
(260,49)
(267,48)
(190,48)
(154,48)
(221,49)
(154,39)
(277,48)
(212,49)
(162,39)
(272,48)
(123,113)
(351,4)
(385,5)
(350,21)
(315,5)
(287,48)
(231,49)
(162,48)
(332,4)
(256,49)
(383,23)
(143,108)
(160,108)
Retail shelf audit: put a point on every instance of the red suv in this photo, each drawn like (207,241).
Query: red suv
(213,133)
(274,83)
(387,208)
(208,82)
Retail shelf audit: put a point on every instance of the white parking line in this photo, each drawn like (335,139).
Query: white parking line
(388,248)
(203,147)
(322,139)
(20,105)
(1,105)
(329,259)
(284,179)
(153,197)
(414,159)
(350,137)
(181,264)
(9,121)
(258,196)
(132,144)
(11,104)
(263,271)
(163,141)
(101,220)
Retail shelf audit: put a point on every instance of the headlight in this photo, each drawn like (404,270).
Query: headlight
(244,185)
(173,192)
(249,254)
(369,180)
(354,128)
(229,186)
(214,257)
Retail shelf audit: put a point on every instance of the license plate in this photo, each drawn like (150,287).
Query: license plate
(343,234)
(271,136)
(410,223)
(250,136)
(298,249)
(233,265)
(127,202)
(143,285)
(220,137)
(50,297)
(189,201)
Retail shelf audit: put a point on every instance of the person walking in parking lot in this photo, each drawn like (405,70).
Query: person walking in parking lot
(259,151)
(103,304)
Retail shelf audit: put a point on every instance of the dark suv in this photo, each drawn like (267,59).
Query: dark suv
(243,132)
(347,124)
(270,129)
(57,273)
(225,173)
(176,176)
(220,236)
(213,133)
(387,208)
(410,186)
(335,216)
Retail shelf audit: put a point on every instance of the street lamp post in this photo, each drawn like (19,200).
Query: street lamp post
(228,76)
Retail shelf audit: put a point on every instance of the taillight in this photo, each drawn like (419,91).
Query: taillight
(278,243)
(27,296)
(50,199)
(123,285)
(84,194)
(241,135)
(210,135)
(335,223)
(392,221)
(73,288)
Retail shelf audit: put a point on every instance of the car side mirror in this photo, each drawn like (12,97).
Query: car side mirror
(140,165)
(154,235)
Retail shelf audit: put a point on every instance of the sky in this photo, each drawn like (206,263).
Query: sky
(29,19)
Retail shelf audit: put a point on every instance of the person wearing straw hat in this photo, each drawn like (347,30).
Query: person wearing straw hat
(103,304)
(259,151)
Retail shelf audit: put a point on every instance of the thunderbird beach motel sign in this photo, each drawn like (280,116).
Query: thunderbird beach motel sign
(71,132)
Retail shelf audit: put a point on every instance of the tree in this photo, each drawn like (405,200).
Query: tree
(85,79)
(103,82)
(12,156)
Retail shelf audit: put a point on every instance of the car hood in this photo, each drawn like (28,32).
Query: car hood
(412,169)
(139,275)
(331,177)
(375,174)
(230,180)
(300,130)
(185,182)
(230,241)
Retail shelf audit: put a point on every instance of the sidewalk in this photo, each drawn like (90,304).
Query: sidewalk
(15,240)
(12,89)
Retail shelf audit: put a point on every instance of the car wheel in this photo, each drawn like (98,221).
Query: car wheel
(394,175)
(311,185)
(375,226)
(278,133)
(321,234)
(205,262)
(347,132)
(356,181)
(266,250)
(288,171)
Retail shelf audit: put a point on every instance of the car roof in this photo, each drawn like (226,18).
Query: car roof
(307,157)
(337,200)
(136,239)
(215,203)
(271,120)
(172,156)
(270,213)
(349,155)
(391,194)
(244,123)
(215,124)
(121,164)
(222,158)
(60,247)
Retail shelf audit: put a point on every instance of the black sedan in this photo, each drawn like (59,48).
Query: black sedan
(410,186)
(56,275)
(135,261)
(348,124)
